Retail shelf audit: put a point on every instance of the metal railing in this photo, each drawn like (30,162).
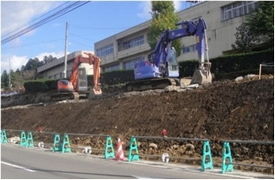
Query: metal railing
(227,159)
(206,159)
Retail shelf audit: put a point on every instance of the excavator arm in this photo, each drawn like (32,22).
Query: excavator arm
(70,89)
(92,60)
(162,69)
(188,28)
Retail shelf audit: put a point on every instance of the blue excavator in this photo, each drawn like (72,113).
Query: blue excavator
(162,69)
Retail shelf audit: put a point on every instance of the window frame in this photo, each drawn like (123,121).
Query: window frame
(237,9)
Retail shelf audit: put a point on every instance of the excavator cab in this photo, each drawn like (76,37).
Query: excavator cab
(77,86)
(65,86)
(170,66)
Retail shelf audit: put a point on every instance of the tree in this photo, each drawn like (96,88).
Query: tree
(4,79)
(28,74)
(163,18)
(32,64)
(261,22)
(244,39)
(258,29)
(16,79)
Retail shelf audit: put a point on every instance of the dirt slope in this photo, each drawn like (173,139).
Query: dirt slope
(224,110)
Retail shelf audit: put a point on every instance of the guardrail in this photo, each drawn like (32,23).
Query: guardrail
(227,160)
(206,160)
(58,144)
(133,154)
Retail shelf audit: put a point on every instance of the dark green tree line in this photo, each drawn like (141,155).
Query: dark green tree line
(26,72)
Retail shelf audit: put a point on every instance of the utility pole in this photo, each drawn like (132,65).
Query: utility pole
(66,45)
(9,74)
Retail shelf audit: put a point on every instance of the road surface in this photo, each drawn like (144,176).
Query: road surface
(35,163)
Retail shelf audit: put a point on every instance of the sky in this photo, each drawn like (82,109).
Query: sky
(87,25)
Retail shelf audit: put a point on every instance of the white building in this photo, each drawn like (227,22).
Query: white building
(122,50)
(55,69)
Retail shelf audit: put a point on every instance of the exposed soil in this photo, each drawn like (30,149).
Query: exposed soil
(225,110)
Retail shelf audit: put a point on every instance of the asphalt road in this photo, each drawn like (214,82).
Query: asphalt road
(34,163)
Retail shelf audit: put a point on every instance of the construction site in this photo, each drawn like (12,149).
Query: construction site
(172,105)
(224,110)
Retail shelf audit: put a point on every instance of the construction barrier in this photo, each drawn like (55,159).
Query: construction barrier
(58,144)
(133,154)
(133,151)
(206,160)
(119,151)
(30,140)
(26,141)
(4,138)
(227,160)
(206,156)
(109,148)
(23,139)
(63,146)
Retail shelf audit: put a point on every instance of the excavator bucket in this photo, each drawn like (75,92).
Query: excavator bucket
(201,77)
(96,91)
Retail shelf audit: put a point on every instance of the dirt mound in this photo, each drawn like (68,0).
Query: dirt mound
(223,111)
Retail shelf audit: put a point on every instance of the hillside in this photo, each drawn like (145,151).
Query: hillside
(225,110)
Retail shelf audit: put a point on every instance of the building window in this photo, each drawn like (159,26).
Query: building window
(131,63)
(103,51)
(111,68)
(190,48)
(238,9)
(132,43)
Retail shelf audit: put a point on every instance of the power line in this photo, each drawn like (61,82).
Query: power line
(34,19)
(81,37)
(61,12)
(87,27)
(80,43)
(34,44)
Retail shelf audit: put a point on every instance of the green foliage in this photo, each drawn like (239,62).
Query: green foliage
(258,29)
(241,62)
(113,77)
(26,72)
(4,79)
(245,40)
(261,22)
(187,68)
(16,79)
(41,85)
(32,64)
(231,66)
(163,18)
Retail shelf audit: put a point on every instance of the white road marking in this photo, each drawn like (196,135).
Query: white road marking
(19,167)
(140,177)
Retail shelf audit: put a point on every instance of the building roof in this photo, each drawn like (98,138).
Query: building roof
(70,57)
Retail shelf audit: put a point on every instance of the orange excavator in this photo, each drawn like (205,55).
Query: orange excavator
(71,89)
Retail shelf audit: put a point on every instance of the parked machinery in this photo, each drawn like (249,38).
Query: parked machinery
(72,89)
(162,70)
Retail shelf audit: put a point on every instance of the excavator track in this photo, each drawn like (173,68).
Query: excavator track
(60,96)
(148,84)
